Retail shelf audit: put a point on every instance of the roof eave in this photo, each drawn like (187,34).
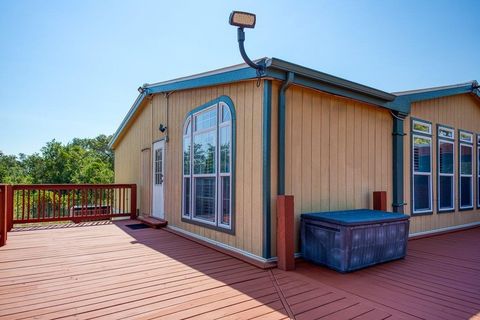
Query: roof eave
(331,80)
(127,118)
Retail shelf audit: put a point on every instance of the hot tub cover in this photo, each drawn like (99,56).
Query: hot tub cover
(355,217)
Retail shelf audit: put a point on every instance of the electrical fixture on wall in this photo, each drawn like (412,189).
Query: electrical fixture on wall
(162,128)
(246,20)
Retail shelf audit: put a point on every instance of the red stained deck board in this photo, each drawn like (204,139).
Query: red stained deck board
(107,271)
(374,315)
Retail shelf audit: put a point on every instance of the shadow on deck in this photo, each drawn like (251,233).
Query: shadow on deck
(106,270)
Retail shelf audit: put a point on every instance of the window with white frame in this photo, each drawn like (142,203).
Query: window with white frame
(466,170)
(478,170)
(207,166)
(421,167)
(446,168)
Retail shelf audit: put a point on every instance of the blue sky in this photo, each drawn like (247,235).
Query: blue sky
(71,68)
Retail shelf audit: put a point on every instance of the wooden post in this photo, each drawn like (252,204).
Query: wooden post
(380,200)
(133,202)
(285,233)
(3,216)
(9,206)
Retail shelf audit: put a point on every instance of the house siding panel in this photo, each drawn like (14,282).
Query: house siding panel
(459,112)
(338,152)
(247,99)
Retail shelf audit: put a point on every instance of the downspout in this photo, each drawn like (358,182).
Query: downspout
(397,161)
(281,132)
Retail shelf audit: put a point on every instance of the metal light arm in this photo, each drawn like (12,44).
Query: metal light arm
(260,67)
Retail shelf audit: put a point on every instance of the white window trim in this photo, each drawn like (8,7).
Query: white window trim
(188,122)
(465,175)
(423,174)
(217,175)
(478,173)
(446,175)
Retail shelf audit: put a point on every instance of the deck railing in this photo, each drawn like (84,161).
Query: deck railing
(3,214)
(20,204)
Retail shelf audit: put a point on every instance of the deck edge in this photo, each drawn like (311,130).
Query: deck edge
(245,256)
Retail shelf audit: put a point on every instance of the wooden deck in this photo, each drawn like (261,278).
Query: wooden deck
(105,270)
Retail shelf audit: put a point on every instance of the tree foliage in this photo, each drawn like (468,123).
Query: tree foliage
(79,161)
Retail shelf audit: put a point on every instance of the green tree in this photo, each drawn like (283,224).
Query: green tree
(80,161)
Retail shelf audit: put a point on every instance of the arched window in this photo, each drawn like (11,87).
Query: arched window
(208,164)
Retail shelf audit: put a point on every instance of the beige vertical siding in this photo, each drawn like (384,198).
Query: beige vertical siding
(459,112)
(145,181)
(128,152)
(247,99)
(338,152)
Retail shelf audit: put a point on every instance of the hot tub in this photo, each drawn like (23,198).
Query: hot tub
(353,239)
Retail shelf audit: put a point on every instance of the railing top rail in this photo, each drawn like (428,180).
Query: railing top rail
(69,186)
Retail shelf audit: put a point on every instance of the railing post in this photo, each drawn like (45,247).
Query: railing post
(9,206)
(133,202)
(3,216)
(285,233)
(380,200)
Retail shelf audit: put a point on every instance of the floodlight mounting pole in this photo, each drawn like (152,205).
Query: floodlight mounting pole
(260,66)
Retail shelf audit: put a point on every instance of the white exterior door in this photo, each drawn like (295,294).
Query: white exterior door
(158,177)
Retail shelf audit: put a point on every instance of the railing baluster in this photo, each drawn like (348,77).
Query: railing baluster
(28,205)
(112,196)
(101,201)
(123,205)
(23,204)
(68,203)
(44,206)
(38,203)
(96,201)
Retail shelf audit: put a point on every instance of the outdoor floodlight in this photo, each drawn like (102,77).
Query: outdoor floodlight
(162,128)
(246,20)
(242,19)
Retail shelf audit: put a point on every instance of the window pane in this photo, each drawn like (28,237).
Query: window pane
(187,198)
(225,145)
(186,155)
(478,192)
(465,136)
(158,166)
(205,120)
(466,159)
(466,192)
(204,152)
(421,192)
(446,133)
(421,127)
(446,192)
(421,154)
(446,157)
(205,198)
(225,198)
(226,116)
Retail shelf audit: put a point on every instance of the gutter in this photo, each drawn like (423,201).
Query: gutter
(304,72)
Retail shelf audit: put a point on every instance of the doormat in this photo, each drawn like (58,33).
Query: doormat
(137,226)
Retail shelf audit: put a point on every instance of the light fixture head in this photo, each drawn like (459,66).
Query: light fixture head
(242,19)
(162,128)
